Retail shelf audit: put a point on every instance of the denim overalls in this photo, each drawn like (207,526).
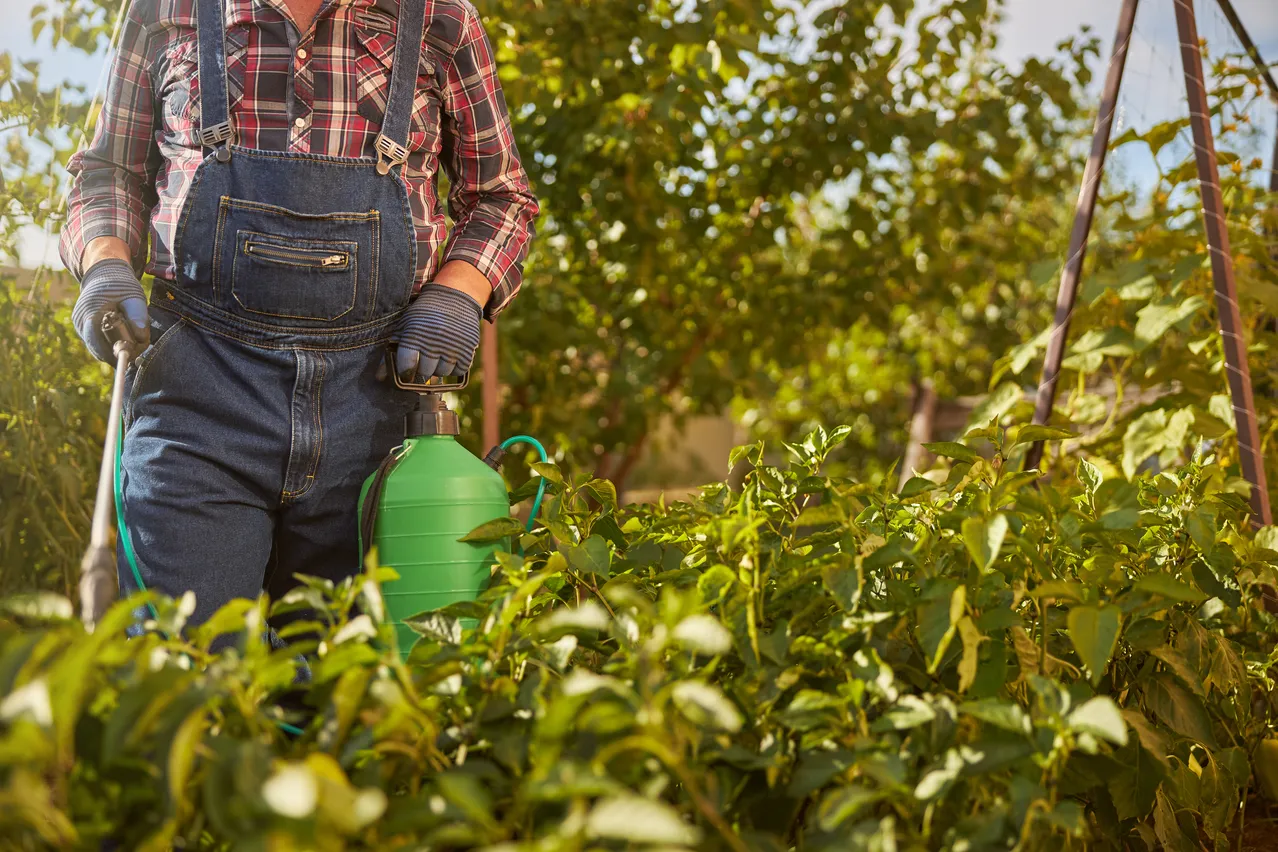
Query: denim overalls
(256,414)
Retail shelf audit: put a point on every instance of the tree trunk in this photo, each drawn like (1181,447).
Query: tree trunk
(920,430)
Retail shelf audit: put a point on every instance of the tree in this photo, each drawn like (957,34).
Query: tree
(687,157)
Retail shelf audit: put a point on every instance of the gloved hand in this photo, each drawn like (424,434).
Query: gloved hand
(438,334)
(110,285)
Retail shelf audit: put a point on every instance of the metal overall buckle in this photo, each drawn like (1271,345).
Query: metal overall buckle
(389,154)
(218,137)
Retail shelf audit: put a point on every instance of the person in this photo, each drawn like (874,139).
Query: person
(280,160)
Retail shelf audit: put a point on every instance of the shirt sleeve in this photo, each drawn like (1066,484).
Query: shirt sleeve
(112,181)
(489,198)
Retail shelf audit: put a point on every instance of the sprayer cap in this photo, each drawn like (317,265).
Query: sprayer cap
(431,417)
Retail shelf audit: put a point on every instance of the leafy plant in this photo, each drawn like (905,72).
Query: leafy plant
(808,663)
(52,422)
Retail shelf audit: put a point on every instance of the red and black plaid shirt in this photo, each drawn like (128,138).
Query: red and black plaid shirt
(323,92)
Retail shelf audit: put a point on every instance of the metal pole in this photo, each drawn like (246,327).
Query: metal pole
(491,386)
(1068,292)
(1222,265)
(98,579)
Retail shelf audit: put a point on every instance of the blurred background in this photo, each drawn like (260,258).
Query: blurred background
(760,216)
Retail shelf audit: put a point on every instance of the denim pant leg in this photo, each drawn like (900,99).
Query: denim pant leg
(360,420)
(207,425)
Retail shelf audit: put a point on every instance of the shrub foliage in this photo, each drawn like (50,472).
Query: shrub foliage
(806,663)
(53,410)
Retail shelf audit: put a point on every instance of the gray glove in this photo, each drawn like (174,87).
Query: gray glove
(438,334)
(110,285)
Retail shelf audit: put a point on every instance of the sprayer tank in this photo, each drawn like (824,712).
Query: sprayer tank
(436,494)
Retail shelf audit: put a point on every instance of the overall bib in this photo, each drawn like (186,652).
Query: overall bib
(256,413)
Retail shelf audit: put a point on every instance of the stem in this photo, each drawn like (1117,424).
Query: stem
(1242,814)
(1042,636)
(706,809)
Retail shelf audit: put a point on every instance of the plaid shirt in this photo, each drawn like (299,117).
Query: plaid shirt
(322,92)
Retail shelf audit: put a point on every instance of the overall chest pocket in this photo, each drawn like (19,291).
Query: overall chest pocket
(374,59)
(285,265)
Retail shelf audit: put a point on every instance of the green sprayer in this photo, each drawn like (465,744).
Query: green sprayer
(423,499)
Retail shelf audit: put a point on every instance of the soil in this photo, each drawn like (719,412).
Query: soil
(1260,831)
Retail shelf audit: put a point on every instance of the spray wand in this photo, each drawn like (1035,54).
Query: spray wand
(98,583)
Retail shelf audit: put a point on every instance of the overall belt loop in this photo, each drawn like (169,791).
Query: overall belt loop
(215,111)
(392,142)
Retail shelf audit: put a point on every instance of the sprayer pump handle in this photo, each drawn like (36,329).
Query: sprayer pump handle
(434,384)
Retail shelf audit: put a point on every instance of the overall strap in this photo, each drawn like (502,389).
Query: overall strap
(392,142)
(215,112)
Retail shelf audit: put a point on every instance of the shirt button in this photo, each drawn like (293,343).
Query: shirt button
(301,53)
(299,123)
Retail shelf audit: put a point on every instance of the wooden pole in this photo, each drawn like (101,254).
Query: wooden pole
(1231,15)
(491,390)
(1273,166)
(1083,213)
(1222,265)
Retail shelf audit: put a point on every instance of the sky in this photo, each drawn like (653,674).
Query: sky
(1153,86)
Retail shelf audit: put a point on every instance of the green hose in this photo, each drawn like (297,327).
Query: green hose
(126,540)
(541,489)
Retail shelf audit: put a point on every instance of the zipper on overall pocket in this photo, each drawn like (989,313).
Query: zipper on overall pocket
(315,258)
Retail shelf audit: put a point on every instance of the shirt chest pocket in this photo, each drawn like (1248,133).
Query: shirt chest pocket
(177,81)
(374,59)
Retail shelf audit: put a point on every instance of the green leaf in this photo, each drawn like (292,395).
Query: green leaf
(587,616)
(844,803)
(749,453)
(1267,537)
(1179,709)
(1151,739)
(1000,713)
(1094,632)
(984,539)
(468,795)
(1060,590)
(1090,475)
(999,402)
(1035,432)
(909,712)
(592,556)
(915,486)
(822,514)
(604,492)
(1153,433)
(1167,829)
(637,819)
(498,529)
(1099,717)
(1202,529)
(548,471)
(706,705)
(1169,587)
(953,450)
(703,634)
(1144,437)
(1135,780)
(972,640)
(815,769)
(1179,666)
(1155,320)
(938,620)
